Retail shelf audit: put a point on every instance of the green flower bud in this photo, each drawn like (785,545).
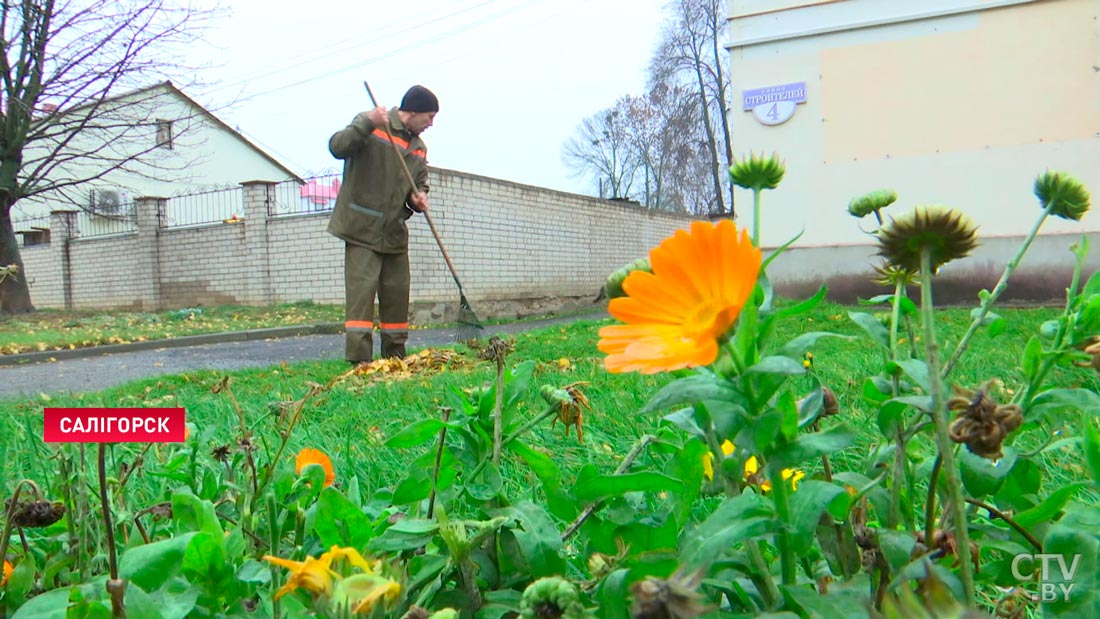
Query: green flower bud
(947,233)
(1068,197)
(551,597)
(862,206)
(444,613)
(613,288)
(757,172)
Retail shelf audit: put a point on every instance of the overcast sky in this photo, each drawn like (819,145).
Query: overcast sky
(514,77)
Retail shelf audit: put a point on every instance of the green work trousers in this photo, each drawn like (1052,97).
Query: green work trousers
(368,273)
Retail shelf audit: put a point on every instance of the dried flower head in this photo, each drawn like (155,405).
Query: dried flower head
(757,173)
(981,422)
(829,404)
(862,206)
(496,350)
(674,598)
(1091,347)
(613,287)
(1068,198)
(890,275)
(34,514)
(946,233)
(571,402)
(944,544)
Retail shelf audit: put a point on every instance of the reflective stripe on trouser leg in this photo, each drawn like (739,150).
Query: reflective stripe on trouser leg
(362,268)
(393,304)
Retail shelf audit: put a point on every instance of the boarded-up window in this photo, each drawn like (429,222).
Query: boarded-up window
(164,133)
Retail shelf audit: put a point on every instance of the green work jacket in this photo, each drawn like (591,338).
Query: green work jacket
(371,206)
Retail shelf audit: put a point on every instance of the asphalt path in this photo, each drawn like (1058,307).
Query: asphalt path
(94,373)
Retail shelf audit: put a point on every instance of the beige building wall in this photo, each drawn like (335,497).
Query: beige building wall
(956,102)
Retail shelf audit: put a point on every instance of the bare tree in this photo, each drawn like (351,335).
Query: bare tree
(601,150)
(63,121)
(690,53)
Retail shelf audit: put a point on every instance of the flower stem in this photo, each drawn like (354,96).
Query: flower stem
(498,413)
(534,421)
(438,459)
(943,439)
(623,466)
(756,217)
(997,290)
(787,563)
(115,587)
(899,435)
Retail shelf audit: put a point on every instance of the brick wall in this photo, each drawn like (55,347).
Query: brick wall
(509,242)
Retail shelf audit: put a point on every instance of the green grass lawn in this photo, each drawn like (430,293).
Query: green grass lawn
(352,420)
(56,330)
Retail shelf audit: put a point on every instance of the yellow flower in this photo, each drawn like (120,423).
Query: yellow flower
(708,459)
(752,467)
(315,456)
(317,575)
(8,569)
(381,589)
(675,315)
(313,575)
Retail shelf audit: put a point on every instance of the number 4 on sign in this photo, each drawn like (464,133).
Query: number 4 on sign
(774,113)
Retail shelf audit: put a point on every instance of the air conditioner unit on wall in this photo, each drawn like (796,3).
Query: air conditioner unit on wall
(105,201)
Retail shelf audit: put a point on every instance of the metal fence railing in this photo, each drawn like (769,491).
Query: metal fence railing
(119,219)
(208,207)
(317,195)
(31,231)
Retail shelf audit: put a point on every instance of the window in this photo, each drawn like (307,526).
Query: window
(164,133)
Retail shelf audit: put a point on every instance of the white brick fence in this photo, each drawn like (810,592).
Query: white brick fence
(513,246)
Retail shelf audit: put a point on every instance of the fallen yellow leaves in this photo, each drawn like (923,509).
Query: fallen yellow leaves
(427,361)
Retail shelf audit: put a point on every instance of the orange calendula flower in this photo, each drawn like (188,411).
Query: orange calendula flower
(675,315)
(315,456)
(8,569)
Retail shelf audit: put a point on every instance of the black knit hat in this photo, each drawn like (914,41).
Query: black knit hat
(419,99)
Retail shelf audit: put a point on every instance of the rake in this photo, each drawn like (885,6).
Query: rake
(466,315)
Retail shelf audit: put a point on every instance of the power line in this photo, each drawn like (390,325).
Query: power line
(391,53)
(247,77)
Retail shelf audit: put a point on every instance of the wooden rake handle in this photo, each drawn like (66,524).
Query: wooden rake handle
(408,175)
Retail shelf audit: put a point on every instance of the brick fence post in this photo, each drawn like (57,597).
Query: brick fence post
(148,213)
(64,227)
(258,195)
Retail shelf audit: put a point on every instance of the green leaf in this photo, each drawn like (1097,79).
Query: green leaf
(809,446)
(1092,447)
(1063,402)
(592,486)
(487,484)
(873,327)
(1069,588)
(815,606)
(998,327)
(799,346)
(417,432)
(1030,360)
(339,522)
(151,565)
(539,540)
(195,514)
(797,309)
(777,364)
(917,371)
(21,579)
(405,534)
(788,415)
(807,504)
(177,599)
(1045,511)
(541,465)
(982,476)
(737,519)
(204,563)
(613,590)
(691,389)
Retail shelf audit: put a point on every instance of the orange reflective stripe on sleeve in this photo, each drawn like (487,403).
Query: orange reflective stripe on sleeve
(420,153)
(381,134)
